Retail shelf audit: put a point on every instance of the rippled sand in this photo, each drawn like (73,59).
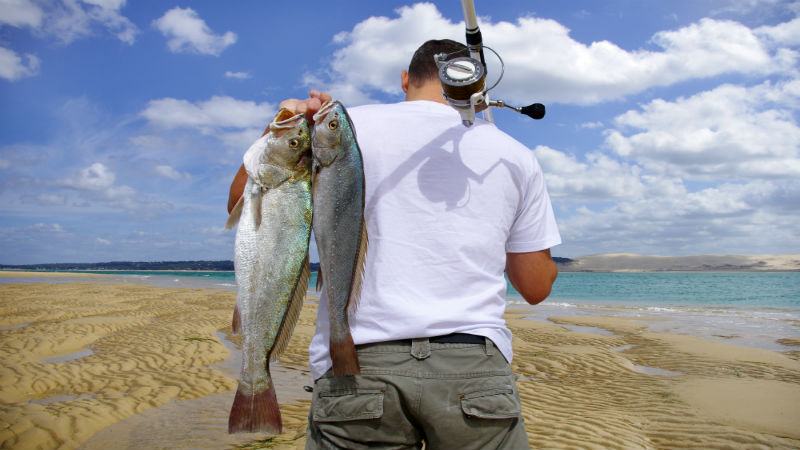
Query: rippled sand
(87,365)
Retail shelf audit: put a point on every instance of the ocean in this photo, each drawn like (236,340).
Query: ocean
(747,308)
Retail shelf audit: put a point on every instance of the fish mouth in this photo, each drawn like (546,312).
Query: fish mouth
(324,110)
(284,120)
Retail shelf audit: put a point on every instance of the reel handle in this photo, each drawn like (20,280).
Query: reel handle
(535,111)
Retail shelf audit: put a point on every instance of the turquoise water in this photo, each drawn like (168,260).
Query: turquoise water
(752,309)
(742,289)
(773,289)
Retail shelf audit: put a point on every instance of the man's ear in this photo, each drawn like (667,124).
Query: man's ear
(404,80)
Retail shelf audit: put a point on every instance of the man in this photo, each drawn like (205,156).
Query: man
(448,208)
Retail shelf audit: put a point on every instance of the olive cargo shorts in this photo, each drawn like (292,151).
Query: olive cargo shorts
(451,396)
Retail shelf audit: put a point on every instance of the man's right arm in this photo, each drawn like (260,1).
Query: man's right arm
(532,274)
(237,188)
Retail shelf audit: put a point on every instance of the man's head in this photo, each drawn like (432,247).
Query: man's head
(421,81)
(423,68)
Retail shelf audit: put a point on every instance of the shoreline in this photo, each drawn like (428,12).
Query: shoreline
(92,358)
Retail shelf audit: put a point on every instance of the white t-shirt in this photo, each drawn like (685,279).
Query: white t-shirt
(444,203)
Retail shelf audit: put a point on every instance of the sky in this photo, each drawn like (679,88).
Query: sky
(671,127)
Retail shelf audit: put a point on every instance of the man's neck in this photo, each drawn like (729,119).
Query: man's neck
(431,90)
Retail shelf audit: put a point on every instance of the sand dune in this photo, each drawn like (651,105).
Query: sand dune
(628,262)
(86,365)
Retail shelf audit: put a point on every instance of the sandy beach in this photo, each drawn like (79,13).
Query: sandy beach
(95,365)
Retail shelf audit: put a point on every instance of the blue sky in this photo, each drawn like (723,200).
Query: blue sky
(672,127)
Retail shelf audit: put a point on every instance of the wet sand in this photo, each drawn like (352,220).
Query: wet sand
(91,365)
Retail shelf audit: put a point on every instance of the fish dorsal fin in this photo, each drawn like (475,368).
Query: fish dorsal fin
(236,213)
(292,313)
(358,269)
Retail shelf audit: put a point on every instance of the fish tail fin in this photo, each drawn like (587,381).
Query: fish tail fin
(236,213)
(256,412)
(236,323)
(344,357)
(358,270)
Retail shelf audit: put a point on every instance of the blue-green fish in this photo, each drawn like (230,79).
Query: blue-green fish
(339,227)
(271,263)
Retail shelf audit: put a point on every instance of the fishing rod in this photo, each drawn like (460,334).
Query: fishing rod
(464,78)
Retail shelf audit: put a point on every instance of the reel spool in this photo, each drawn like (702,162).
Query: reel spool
(462,77)
(463,84)
(464,87)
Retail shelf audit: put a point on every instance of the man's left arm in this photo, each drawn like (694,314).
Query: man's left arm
(532,274)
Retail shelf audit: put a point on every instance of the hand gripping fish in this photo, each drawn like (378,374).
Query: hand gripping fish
(339,228)
(271,263)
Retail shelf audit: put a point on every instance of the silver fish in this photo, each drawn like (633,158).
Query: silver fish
(339,228)
(271,263)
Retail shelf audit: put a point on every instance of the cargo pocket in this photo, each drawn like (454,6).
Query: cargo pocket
(496,403)
(349,404)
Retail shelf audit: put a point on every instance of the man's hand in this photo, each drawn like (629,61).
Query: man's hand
(309,106)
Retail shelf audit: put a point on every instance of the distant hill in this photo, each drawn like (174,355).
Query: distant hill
(612,262)
(627,262)
(134,265)
(129,265)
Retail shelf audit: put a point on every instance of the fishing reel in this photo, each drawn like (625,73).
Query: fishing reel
(464,87)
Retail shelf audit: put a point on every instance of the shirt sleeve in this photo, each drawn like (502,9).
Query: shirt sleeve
(534,226)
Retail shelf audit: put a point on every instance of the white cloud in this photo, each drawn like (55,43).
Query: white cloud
(599,178)
(13,68)
(187,32)
(543,61)
(45,228)
(107,13)
(20,13)
(736,217)
(69,20)
(787,33)
(96,177)
(730,132)
(238,75)
(217,112)
(169,172)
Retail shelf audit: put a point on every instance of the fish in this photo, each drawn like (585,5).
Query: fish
(271,264)
(339,228)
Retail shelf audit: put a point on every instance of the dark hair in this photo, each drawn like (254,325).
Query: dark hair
(423,67)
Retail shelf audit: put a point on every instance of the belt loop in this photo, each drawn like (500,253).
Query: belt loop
(420,348)
(489,346)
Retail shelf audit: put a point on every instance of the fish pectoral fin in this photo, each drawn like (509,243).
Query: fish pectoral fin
(236,322)
(236,213)
(255,207)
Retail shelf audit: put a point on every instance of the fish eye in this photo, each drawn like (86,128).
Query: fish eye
(294,143)
(333,124)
